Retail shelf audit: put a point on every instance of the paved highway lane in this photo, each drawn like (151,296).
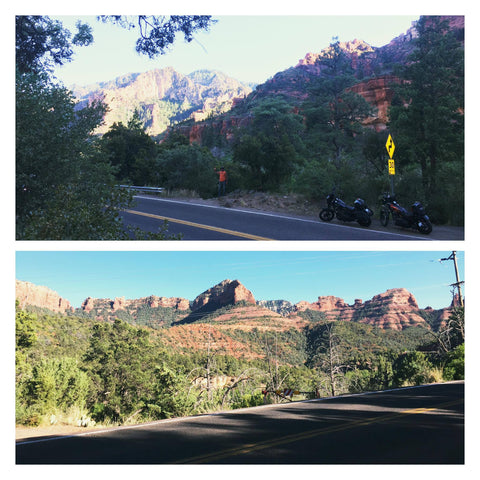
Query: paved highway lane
(420,425)
(207,222)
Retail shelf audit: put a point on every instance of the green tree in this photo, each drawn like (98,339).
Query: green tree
(188,167)
(271,147)
(25,332)
(335,134)
(427,118)
(120,361)
(411,368)
(381,373)
(132,152)
(454,368)
(25,339)
(42,43)
(58,383)
(157,33)
(334,113)
(171,396)
(64,187)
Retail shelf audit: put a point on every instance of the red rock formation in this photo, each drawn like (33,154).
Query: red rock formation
(120,303)
(173,302)
(29,294)
(227,292)
(87,305)
(395,309)
(354,48)
(366,61)
(323,304)
(378,92)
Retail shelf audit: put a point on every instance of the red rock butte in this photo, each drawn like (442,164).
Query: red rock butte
(227,292)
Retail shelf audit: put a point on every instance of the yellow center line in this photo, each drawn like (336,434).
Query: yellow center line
(199,225)
(418,410)
(214,457)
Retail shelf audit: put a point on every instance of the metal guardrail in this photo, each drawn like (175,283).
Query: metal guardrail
(142,189)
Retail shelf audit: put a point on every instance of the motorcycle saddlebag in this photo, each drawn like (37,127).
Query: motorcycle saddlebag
(360,204)
(417,209)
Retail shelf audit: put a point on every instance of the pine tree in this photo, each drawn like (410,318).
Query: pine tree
(334,114)
(426,118)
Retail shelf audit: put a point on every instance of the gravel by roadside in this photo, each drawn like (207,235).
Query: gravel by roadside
(25,433)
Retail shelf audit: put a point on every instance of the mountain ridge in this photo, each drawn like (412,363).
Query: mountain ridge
(203,93)
(395,308)
(373,69)
(162,96)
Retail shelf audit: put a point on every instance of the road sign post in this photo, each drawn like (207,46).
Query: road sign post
(390,146)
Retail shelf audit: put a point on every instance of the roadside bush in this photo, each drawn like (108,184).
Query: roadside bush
(247,400)
(412,368)
(55,386)
(454,368)
(188,167)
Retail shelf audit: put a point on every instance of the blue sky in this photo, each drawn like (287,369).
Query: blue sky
(250,48)
(287,275)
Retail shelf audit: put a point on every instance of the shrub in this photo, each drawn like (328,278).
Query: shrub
(454,368)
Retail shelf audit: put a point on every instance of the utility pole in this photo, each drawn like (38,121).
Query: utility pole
(458,283)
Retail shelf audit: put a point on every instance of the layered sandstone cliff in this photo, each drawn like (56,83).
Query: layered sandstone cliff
(394,309)
(38,296)
(227,292)
(120,303)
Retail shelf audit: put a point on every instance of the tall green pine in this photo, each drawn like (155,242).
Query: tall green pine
(426,118)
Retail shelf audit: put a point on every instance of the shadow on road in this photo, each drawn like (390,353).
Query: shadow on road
(409,426)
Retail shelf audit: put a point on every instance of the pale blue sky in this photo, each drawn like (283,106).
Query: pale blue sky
(250,48)
(286,275)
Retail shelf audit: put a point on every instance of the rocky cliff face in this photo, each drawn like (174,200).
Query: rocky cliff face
(373,68)
(163,95)
(378,92)
(227,292)
(29,294)
(279,306)
(394,309)
(119,303)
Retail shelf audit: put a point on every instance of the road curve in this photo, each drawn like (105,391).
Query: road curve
(417,425)
(197,221)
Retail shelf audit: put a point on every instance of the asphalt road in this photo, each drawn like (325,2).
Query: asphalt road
(197,221)
(420,425)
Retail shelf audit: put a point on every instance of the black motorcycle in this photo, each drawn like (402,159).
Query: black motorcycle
(415,218)
(346,213)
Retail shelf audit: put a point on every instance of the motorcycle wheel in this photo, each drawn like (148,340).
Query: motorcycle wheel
(364,219)
(424,226)
(384,217)
(326,215)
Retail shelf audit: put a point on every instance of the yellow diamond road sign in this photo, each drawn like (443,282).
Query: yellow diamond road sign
(390,146)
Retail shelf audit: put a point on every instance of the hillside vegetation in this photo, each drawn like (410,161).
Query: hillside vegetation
(76,370)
